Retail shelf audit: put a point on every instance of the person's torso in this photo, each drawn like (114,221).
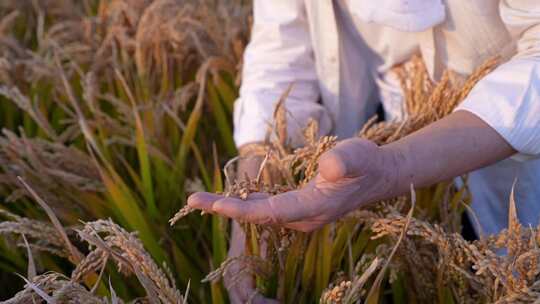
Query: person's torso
(470,33)
(346,46)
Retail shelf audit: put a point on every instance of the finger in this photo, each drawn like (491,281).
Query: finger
(347,159)
(305,226)
(279,209)
(257,196)
(238,281)
(244,292)
(203,200)
(241,290)
(249,295)
(252,211)
(236,296)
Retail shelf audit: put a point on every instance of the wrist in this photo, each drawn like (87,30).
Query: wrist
(399,174)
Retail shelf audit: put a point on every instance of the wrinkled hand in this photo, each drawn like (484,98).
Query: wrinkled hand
(241,285)
(354,173)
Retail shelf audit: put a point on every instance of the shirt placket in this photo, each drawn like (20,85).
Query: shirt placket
(329,52)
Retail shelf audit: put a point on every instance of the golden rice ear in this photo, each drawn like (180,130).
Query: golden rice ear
(515,243)
(375,292)
(425,101)
(31,263)
(513,221)
(311,132)
(280,117)
(127,250)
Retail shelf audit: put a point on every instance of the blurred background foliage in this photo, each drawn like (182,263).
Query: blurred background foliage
(118,109)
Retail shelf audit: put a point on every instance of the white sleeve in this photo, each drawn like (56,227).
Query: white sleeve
(279,54)
(508,99)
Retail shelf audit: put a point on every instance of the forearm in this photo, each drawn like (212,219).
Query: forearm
(453,146)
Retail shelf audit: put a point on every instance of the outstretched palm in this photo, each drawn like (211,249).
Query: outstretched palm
(354,173)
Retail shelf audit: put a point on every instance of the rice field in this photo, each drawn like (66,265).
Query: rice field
(114,111)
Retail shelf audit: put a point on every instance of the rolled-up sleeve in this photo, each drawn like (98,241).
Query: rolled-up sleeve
(508,99)
(279,54)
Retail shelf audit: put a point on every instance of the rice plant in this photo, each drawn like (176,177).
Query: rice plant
(113,111)
(109,110)
(297,267)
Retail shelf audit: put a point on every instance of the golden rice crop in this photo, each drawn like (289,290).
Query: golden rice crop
(103,106)
(113,111)
(438,262)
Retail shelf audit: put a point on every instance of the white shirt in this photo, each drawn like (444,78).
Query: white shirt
(336,53)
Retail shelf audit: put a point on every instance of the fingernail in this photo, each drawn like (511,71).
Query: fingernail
(202,199)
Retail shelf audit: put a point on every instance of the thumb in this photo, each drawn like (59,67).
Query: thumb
(347,159)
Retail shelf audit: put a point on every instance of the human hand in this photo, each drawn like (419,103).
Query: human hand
(352,174)
(241,285)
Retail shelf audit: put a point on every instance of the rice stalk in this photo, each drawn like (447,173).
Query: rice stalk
(425,103)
